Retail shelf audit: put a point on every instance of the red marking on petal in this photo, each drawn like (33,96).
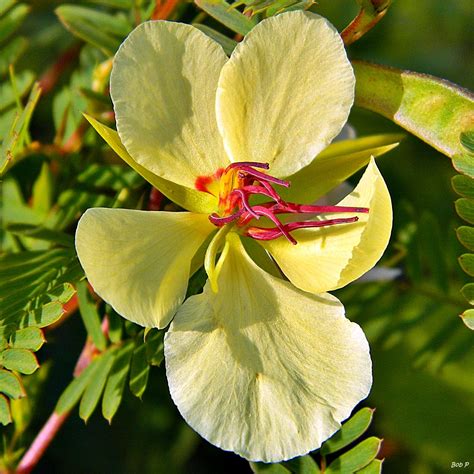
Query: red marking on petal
(202,183)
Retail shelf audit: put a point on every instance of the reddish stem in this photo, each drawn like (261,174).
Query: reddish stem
(164,9)
(44,438)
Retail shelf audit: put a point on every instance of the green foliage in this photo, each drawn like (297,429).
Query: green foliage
(361,456)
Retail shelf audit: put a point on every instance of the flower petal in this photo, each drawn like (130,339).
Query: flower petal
(188,198)
(335,164)
(263,369)
(163,86)
(285,93)
(327,258)
(139,261)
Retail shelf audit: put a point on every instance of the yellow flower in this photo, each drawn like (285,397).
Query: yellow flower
(257,365)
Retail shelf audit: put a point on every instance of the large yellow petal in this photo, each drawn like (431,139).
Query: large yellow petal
(261,368)
(163,86)
(335,164)
(190,199)
(285,93)
(331,257)
(139,261)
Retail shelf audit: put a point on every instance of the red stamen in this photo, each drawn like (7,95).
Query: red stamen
(246,164)
(247,171)
(220,221)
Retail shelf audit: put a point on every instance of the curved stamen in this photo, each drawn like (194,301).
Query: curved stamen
(220,221)
(263,211)
(245,202)
(246,164)
(247,171)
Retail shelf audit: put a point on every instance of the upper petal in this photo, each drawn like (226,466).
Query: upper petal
(139,261)
(285,93)
(327,258)
(163,86)
(263,369)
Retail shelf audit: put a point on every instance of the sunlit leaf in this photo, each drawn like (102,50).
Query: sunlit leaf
(433,109)
(467,263)
(31,338)
(5,415)
(465,209)
(19,360)
(96,385)
(463,185)
(90,316)
(375,467)
(468,318)
(116,382)
(464,163)
(357,458)
(10,385)
(466,236)
(349,432)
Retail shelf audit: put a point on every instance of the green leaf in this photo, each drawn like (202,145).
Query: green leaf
(42,193)
(10,53)
(465,209)
(464,163)
(31,338)
(125,4)
(9,92)
(227,43)
(12,20)
(302,465)
(115,325)
(466,236)
(467,263)
(228,16)
(5,415)
(336,163)
(42,317)
(102,30)
(96,385)
(262,468)
(468,292)
(116,382)
(139,371)
(463,185)
(467,140)
(76,388)
(357,458)
(349,432)
(41,233)
(467,318)
(154,347)
(375,467)
(90,316)
(19,360)
(5,5)
(433,109)
(187,198)
(10,385)
(18,131)
(114,177)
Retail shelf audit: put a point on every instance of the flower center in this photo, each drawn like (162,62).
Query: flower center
(239,182)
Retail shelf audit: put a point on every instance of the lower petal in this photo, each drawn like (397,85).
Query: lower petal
(139,261)
(330,257)
(263,369)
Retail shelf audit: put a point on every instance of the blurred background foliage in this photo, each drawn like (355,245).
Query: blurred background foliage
(423,360)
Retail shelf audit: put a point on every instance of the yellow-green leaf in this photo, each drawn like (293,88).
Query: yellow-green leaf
(20,360)
(433,109)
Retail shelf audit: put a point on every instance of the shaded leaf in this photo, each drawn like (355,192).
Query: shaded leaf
(464,163)
(465,209)
(357,458)
(433,109)
(9,92)
(260,467)
(90,316)
(375,467)
(76,388)
(154,347)
(5,415)
(302,465)
(467,263)
(228,16)
(349,432)
(42,233)
(463,185)
(96,385)
(139,371)
(466,236)
(227,43)
(468,292)
(467,140)
(10,53)
(115,325)
(31,338)
(12,20)
(110,176)
(116,382)
(20,360)
(10,385)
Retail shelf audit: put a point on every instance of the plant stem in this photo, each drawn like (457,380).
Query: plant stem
(46,435)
